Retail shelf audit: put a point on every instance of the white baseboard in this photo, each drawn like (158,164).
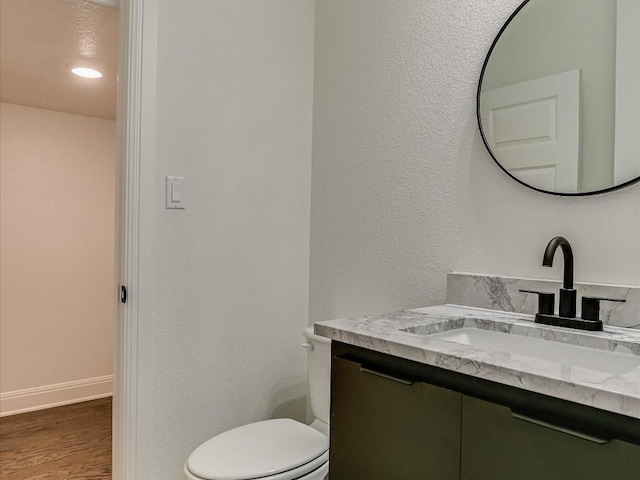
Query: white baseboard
(39,398)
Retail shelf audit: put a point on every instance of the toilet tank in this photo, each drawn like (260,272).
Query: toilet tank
(319,374)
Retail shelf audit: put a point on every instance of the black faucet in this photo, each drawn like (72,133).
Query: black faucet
(567,309)
(568,296)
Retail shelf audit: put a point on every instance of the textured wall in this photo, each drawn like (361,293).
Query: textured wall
(403,190)
(57,248)
(234,111)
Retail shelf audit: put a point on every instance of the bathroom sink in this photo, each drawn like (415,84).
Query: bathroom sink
(567,349)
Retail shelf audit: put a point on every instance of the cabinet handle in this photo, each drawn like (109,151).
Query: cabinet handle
(569,431)
(384,375)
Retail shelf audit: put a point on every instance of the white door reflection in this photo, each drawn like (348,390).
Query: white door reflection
(534,128)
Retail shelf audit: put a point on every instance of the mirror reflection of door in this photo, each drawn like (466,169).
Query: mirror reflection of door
(600,39)
(627,142)
(534,128)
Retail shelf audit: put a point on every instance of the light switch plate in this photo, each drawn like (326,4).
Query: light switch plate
(174,192)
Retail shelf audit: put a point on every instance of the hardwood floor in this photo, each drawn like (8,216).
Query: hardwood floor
(71,443)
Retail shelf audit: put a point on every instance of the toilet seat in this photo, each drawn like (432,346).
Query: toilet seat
(280,449)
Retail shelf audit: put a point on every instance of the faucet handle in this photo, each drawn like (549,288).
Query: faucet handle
(591,307)
(546,301)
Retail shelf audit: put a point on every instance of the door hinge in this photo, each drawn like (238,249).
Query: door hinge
(123,294)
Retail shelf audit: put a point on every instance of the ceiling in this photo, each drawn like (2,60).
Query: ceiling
(40,40)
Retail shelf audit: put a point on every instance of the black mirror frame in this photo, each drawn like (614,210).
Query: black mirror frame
(486,143)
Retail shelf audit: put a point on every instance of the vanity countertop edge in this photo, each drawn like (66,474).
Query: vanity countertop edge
(384,334)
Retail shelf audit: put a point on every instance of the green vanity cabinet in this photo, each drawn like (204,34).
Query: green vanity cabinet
(395,419)
(384,427)
(497,445)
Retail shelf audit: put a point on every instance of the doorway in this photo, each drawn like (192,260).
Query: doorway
(58,204)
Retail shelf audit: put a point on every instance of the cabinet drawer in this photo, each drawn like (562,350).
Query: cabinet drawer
(497,445)
(384,427)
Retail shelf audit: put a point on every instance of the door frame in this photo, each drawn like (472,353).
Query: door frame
(134,226)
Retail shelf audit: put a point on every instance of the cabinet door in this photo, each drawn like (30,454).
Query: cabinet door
(384,428)
(496,445)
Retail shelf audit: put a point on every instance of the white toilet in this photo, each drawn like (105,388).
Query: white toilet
(280,449)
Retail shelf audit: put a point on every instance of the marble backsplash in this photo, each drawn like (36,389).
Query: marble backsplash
(503,293)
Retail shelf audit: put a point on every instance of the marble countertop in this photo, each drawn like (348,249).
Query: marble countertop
(406,335)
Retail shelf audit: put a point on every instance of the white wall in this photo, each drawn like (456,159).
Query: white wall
(234,111)
(57,254)
(403,190)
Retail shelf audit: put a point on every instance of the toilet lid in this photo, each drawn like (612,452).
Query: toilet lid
(257,450)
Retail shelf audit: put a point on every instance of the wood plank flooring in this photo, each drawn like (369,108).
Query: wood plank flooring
(72,442)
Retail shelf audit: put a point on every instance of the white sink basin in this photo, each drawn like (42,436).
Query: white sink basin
(615,363)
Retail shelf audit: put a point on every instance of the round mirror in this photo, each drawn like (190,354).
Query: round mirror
(559,96)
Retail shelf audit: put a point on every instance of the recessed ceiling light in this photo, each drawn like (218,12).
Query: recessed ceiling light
(86,72)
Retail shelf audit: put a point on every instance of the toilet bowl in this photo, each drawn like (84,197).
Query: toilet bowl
(279,449)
